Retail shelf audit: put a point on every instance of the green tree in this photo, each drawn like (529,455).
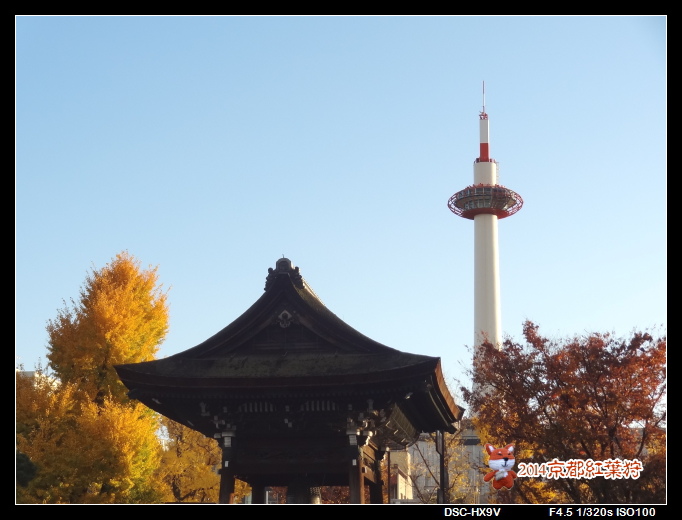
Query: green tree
(588,398)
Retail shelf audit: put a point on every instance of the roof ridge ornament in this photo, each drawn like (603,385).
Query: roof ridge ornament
(284,266)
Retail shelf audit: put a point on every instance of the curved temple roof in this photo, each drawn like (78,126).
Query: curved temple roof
(288,347)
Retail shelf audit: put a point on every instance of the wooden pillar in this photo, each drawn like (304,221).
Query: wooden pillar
(356,481)
(443,493)
(227,476)
(226,495)
(376,486)
(376,494)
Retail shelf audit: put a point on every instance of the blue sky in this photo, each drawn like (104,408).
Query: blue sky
(211,146)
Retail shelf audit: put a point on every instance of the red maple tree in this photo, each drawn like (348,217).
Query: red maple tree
(591,398)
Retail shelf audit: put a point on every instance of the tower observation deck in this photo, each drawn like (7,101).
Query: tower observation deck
(479,199)
(486,196)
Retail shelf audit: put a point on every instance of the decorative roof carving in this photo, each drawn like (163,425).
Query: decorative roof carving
(284,267)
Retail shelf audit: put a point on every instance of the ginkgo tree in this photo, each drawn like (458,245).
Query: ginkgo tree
(121,317)
(80,439)
(87,441)
(577,402)
(85,452)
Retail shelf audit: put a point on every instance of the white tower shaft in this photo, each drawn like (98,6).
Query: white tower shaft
(487,307)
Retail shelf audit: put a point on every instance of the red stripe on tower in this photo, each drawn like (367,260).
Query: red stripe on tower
(485,153)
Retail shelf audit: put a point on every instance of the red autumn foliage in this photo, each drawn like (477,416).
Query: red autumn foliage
(589,397)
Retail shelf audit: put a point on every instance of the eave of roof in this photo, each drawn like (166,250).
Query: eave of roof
(277,370)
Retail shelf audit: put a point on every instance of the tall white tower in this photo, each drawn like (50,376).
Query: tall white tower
(485,202)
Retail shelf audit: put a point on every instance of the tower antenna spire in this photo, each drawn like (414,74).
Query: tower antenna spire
(483,97)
